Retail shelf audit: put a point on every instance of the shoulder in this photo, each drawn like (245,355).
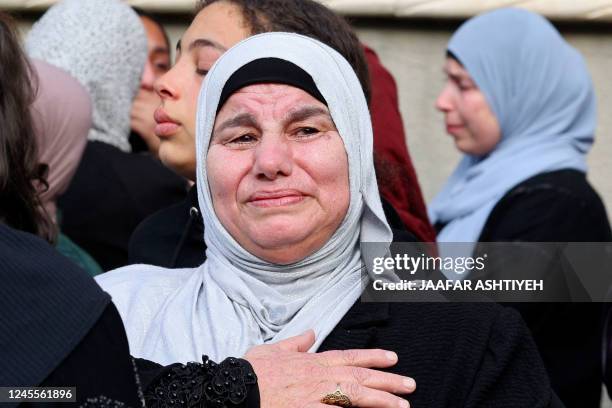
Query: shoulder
(134,279)
(139,292)
(141,286)
(554,206)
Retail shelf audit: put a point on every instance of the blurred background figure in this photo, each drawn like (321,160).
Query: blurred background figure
(143,137)
(102,43)
(520,105)
(61,114)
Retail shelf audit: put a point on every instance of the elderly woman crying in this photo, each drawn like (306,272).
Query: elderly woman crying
(288,192)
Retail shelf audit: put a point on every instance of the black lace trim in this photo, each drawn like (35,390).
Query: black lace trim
(202,385)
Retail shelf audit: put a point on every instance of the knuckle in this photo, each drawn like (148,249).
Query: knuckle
(360,375)
(351,357)
(353,390)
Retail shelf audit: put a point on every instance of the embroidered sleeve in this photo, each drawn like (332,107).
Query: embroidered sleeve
(232,383)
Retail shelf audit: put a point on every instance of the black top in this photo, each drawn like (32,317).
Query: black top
(57,327)
(47,306)
(559,206)
(174,237)
(110,194)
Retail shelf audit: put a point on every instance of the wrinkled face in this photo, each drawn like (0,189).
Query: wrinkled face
(214,30)
(278,172)
(158,54)
(467,115)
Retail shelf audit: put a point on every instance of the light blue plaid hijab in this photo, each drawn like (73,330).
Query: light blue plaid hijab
(540,90)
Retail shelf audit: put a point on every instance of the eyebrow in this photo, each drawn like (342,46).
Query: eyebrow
(305,113)
(201,42)
(241,120)
(248,120)
(160,50)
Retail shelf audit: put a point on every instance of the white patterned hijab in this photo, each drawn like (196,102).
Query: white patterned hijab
(235,300)
(102,44)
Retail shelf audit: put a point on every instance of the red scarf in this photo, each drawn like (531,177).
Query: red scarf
(396,177)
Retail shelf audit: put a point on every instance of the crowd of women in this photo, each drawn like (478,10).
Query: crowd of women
(224,204)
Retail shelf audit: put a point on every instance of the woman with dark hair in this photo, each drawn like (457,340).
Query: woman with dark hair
(21,174)
(173,236)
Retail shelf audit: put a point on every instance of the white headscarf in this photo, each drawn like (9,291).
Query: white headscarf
(103,45)
(236,300)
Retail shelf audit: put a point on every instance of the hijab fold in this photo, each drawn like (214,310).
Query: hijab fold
(103,45)
(540,91)
(235,300)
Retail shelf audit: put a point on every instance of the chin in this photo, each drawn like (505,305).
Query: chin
(182,163)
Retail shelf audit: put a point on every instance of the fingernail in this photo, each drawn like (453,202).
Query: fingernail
(409,383)
(391,356)
(404,404)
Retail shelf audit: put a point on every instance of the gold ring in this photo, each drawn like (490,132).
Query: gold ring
(337,398)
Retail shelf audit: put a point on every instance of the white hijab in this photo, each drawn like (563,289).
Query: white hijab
(103,45)
(235,300)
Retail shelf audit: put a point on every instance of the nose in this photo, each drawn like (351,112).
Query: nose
(148,77)
(166,85)
(273,159)
(444,101)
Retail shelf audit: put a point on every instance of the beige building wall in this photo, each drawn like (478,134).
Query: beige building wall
(414,52)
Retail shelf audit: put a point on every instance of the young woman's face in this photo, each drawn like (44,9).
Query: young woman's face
(467,115)
(278,172)
(214,30)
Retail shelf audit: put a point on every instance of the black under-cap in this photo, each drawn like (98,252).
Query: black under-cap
(269,70)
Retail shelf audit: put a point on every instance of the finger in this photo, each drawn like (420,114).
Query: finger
(375,358)
(389,382)
(301,343)
(361,396)
(316,405)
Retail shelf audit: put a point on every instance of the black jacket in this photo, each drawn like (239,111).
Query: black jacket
(110,194)
(558,206)
(174,237)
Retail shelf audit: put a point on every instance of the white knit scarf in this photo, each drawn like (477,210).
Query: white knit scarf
(103,45)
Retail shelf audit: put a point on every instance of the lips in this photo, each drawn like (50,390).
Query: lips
(166,126)
(279,198)
(452,128)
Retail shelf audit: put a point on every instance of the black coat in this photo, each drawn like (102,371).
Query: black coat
(174,237)
(110,194)
(558,206)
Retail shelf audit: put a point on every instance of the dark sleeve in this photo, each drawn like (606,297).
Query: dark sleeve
(511,372)
(100,367)
(232,383)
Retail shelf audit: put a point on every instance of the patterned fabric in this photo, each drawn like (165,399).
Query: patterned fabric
(207,384)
